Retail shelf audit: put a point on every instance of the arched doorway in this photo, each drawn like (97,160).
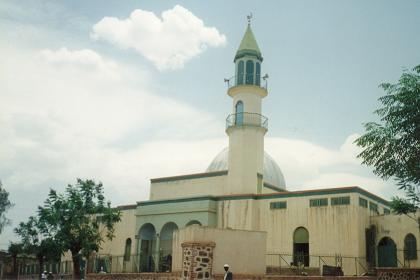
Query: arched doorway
(165,253)
(301,246)
(193,222)
(147,242)
(387,253)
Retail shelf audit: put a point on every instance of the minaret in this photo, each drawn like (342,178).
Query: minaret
(246,126)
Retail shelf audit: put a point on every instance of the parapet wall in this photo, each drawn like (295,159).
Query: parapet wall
(230,246)
(398,273)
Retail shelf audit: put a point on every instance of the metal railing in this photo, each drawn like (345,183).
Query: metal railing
(132,264)
(247,119)
(247,79)
(298,264)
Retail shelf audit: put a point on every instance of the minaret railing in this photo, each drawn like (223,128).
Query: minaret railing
(247,80)
(247,119)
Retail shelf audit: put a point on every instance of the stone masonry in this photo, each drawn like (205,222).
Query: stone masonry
(197,260)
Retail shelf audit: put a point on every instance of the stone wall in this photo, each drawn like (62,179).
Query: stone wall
(197,260)
(133,276)
(177,276)
(398,273)
(293,277)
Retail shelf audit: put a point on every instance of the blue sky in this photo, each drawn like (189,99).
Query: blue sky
(90,89)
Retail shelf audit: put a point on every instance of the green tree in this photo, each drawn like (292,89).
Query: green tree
(392,146)
(35,242)
(5,205)
(15,249)
(79,219)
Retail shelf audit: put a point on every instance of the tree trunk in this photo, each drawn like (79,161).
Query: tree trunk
(15,266)
(76,265)
(41,265)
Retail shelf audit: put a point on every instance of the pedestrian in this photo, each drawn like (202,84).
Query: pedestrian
(44,275)
(50,276)
(228,274)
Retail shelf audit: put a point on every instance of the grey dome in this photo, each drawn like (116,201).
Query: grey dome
(272,173)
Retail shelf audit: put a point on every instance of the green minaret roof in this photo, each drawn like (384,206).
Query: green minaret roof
(248,45)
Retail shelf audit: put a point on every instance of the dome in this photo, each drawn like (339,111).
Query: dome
(272,173)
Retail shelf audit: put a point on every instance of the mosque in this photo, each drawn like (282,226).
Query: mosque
(244,189)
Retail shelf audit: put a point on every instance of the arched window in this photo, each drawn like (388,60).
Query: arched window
(127,250)
(410,247)
(257,73)
(193,222)
(301,246)
(240,76)
(249,80)
(239,113)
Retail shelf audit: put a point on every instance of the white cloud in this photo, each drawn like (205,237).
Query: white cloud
(67,113)
(306,165)
(169,42)
(86,60)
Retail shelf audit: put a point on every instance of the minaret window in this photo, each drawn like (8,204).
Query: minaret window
(249,72)
(239,113)
(257,73)
(240,76)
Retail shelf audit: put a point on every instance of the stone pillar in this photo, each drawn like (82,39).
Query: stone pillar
(197,260)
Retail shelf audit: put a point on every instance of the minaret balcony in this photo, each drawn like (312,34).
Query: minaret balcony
(249,84)
(247,80)
(246,119)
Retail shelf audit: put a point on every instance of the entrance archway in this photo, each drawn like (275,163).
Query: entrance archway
(387,253)
(301,246)
(165,253)
(147,243)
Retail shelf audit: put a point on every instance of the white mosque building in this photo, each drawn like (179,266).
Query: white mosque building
(244,189)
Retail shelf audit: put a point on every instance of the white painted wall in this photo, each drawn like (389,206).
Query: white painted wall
(188,187)
(232,247)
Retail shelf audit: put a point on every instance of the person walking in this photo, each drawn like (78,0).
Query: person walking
(228,274)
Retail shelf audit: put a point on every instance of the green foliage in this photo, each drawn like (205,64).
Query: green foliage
(15,249)
(34,242)
(392,147)
(5,205)
(80,218)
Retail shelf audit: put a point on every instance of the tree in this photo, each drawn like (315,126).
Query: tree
(392,147)
(14,250)
(79,219)
(35,242)
(5,205)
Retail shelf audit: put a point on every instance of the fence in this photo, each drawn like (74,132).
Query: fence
(132,263)
(277,263)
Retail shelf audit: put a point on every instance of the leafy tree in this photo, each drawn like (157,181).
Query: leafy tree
(5,205)
(14,250)
(392,147)
(35,242)
(79,219)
